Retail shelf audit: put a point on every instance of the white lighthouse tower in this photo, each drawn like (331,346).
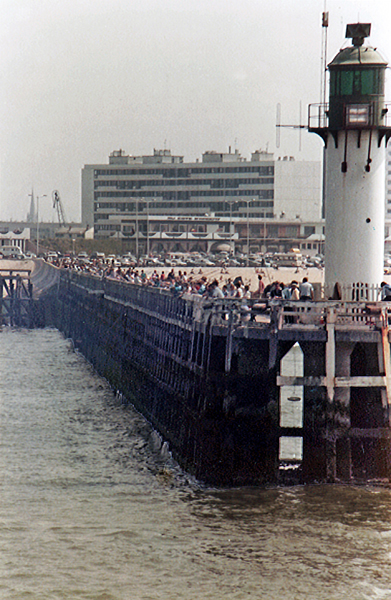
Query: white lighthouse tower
(354,129)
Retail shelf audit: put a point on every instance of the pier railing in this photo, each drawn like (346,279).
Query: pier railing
(254,312)
(318,314)
(159,301)
(356,292)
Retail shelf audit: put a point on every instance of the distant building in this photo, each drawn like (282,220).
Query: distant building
(223,186)
(47,231)
(72,232)
(297,191)
(16,236)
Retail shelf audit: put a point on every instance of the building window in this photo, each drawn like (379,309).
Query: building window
(309,230)
(357,115)
(291,231)
(272,230)
(360,82)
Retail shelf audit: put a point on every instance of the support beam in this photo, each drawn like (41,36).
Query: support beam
(339,382)
(330,352)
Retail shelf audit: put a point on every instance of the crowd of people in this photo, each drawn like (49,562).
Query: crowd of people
(292,291)
(194,282)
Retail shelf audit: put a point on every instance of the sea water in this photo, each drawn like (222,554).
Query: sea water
(92,506)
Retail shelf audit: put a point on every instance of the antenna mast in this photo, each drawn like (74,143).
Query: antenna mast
(279,125)
(323,82)
(325,25)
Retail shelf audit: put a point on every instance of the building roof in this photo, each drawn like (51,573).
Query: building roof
(316,237)
(23,233)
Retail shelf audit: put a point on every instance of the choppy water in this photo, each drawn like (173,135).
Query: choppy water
(91,508)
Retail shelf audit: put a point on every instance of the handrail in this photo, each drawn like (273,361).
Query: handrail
(318,114)
(254,312)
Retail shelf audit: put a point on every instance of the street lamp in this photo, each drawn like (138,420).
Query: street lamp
(148,201)
(137,229)
(38,197)
(248,229)
(230,202)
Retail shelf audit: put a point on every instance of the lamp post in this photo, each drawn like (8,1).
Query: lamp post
(148,201)
(137,229)
(231,203)
(43,196)
(248,230)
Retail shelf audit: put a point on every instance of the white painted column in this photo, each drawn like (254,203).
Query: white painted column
(354,248)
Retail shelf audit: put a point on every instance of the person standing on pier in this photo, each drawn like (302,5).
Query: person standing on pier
(306,290)
(295,294)
(239,292)
(261,286)
(276,291)
(216,292)
(285,292)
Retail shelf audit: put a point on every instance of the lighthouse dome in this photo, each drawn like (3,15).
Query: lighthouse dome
(358,55)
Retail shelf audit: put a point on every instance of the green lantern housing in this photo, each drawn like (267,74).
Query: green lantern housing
(357,76)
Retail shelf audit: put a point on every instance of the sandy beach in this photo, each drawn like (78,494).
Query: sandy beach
(248,274)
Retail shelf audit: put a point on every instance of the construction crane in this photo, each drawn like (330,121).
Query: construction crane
(57,204)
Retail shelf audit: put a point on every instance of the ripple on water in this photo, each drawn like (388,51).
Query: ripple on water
(93,506)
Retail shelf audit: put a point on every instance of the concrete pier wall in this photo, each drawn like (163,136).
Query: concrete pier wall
(209,380)
(162,353)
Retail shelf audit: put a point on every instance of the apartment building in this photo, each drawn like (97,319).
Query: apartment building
(158,198)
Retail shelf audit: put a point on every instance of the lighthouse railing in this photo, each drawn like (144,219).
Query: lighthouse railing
(318,115)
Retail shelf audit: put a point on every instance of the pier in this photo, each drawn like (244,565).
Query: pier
(208,374)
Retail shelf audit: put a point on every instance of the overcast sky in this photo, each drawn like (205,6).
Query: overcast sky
(81,78)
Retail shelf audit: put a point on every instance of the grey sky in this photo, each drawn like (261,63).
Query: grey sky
(81,78)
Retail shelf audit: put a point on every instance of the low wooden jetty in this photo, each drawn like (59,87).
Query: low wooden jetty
(210,376)
(17,306)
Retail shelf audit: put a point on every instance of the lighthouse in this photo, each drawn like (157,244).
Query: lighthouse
(354,128)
